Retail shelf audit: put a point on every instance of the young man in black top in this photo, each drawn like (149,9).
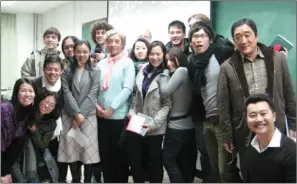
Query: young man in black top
(272,155)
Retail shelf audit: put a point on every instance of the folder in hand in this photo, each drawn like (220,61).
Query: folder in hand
(281,40)
(136,124)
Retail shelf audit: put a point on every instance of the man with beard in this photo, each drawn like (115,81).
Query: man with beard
(33,66)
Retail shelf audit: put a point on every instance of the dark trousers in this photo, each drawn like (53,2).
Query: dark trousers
(179,155)
(138,148)
(242,149)
(53,148)
(97,173)
(208,175)
(75,170)
(113,160)
(75,167)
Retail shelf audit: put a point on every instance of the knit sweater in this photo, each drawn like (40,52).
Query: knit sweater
(274,165)
(12,137)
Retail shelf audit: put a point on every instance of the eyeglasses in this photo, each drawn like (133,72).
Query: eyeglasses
(67,47)
(196,36)
(48,104)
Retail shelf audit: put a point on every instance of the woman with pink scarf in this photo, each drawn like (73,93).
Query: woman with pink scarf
(116,86)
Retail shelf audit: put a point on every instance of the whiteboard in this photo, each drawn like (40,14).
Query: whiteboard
(130,17)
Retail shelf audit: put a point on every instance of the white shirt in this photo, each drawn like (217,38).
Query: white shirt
(53,88)
(274,142)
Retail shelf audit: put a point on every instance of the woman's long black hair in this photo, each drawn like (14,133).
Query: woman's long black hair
(150,47)
(73,38)
(20,112)
(74,65)
(55,114)
(132,54)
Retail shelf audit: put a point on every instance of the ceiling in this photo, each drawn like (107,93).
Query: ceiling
(30,6)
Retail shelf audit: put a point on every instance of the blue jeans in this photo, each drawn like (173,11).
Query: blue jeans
(179,155)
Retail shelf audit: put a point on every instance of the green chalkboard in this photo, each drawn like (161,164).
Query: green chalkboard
(272,18)
(86,31)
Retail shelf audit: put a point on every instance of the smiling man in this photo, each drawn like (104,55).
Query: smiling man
(272,157)
(33,66)
(50,82)
(177,34)
(254,68)
(98,34)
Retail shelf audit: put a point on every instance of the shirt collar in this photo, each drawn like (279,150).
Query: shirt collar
(53,88)
(259,55)
(274,142)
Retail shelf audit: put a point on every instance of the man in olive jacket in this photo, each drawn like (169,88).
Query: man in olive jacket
(33,66)
(254,68)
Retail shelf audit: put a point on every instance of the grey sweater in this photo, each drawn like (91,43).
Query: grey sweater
(209,92)
(179,88)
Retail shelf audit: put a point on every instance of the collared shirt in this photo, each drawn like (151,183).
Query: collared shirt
(53,88)
(256,74)
(274,142)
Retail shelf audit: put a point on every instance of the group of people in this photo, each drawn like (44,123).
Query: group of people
(204,92)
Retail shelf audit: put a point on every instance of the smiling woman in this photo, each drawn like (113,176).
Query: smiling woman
(80,84)
(15,116)
(116,85)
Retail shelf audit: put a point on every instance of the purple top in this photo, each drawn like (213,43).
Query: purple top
(8,129)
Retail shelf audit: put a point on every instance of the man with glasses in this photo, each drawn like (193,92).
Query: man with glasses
(204,69)
(225,46)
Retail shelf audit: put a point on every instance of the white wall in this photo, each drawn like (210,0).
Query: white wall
(130,16)
(24,34)
(69,17)
(17,50)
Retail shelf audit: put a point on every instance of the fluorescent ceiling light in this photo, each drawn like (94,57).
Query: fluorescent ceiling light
(7,3)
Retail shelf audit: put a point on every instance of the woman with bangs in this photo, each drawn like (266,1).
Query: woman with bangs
(68,49)
(149,102)
(179,152)
(15,117)
(116,86)
(80,84)
(139,53)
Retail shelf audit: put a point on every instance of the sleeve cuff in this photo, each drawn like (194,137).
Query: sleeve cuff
(153,125)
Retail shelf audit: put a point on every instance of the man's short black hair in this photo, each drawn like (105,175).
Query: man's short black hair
(53,59)
(178,24)
(253,99)
(248,22)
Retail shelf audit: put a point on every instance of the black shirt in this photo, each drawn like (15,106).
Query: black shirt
(274,165)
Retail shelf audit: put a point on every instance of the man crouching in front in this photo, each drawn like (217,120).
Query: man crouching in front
(272,155)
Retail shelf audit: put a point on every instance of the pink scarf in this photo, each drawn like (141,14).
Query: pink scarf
(111,62)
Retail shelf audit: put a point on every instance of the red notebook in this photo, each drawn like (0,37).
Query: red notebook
(135,125)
